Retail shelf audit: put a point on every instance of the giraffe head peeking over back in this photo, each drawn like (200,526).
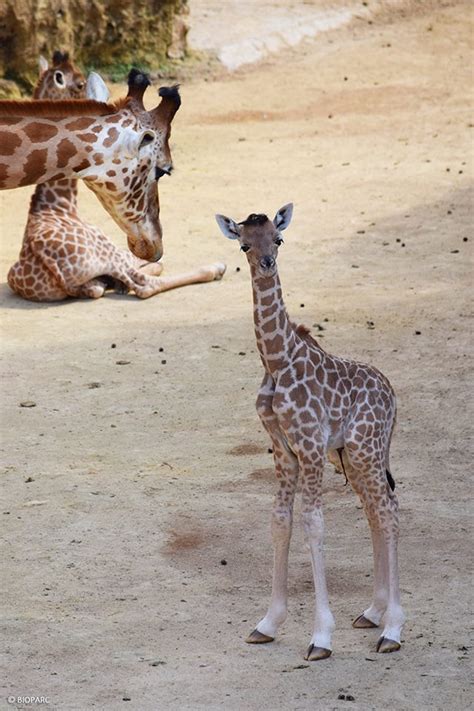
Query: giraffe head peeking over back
(120,150)
(62,80)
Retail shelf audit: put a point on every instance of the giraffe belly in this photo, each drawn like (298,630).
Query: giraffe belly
(335,435)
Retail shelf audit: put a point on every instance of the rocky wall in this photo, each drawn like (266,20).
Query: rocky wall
(109,35)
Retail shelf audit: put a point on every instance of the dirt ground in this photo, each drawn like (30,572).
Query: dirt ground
(137,497)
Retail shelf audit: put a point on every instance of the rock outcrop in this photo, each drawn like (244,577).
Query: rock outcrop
(109,35)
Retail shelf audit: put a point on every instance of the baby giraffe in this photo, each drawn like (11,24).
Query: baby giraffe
(315,405)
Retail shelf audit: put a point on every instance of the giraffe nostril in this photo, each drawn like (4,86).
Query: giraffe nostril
(267,262)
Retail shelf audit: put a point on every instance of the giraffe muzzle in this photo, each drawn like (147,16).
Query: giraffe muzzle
(266,263)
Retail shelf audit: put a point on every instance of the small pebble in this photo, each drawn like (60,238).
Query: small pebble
(223,561)
(301,306)
(270,450)
(122,362)
(455,251)
(113,345)
(28,403)
(30,479)
(126,698)
(242,353)
(417,333)
(465,239)
(237,269)
(160,349)
(163,362)
(93,386)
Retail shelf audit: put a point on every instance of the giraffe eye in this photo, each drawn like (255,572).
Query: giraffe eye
(278,241)
(245,248)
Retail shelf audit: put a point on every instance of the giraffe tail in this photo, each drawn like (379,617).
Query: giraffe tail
(390,479)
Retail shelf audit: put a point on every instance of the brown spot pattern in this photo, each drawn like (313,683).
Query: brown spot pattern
(9,142)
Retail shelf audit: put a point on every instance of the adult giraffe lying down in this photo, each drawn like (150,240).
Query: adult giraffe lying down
(120,150)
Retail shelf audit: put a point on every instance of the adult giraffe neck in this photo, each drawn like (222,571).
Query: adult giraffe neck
(274,332)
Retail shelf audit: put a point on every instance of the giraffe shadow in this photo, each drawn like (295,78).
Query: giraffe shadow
(10,300)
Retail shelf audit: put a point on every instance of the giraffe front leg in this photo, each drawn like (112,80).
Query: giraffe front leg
(286,470)
(151,268)
(93,289)
(311,467)
(147,286)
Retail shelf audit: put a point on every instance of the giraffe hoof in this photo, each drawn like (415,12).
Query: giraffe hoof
(257,637)
(386,645)
(220,268)
(362,623)
(315,653)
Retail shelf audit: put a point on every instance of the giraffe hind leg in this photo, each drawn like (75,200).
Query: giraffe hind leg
(31,280)
(371,482)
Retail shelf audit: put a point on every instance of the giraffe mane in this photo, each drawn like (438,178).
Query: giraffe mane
(61,109)
(305,333)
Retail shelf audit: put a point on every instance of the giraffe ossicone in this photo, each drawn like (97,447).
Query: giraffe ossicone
(61,255)
(315,406)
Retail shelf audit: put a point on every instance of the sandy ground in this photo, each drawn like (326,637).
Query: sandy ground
(127,486)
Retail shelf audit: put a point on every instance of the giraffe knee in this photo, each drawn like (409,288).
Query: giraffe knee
(313,525)
(281,525)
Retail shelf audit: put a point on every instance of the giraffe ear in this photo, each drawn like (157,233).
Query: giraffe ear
(133,141)
(42,64)
(283,217)
(96,88)
(228,227)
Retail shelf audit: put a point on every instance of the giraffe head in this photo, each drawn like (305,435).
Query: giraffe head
(259,237)
(61,80)
(128,189)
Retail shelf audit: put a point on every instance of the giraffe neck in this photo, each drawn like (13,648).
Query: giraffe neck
(57,195)
(273,330)
(44,149)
